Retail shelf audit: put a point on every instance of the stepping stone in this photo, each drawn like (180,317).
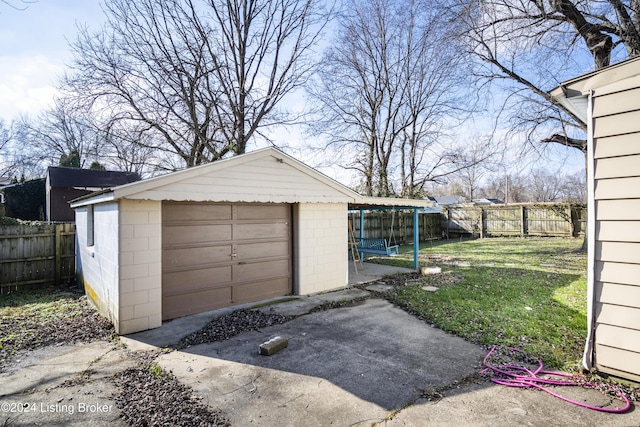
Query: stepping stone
(429,288)
(379,287)
(431,270)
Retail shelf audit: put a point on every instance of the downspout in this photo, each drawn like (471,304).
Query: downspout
(588,356)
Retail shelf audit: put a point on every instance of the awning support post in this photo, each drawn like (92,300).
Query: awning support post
(416,239)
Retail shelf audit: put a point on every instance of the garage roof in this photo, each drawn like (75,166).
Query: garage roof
(262,176)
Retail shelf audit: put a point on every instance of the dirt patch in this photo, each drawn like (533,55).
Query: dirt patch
(25,332)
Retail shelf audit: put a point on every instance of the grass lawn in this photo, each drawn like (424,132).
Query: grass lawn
(32,319)
(526,293)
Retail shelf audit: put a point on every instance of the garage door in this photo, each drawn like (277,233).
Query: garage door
(216,255)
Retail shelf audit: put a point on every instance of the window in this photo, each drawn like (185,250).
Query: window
(90,227)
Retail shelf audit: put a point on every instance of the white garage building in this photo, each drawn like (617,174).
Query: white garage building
(244,229)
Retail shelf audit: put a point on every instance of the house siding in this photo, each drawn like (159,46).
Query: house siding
(140,257)
(616,276)
(320,247)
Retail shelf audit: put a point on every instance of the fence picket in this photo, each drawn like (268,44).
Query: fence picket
(36,255)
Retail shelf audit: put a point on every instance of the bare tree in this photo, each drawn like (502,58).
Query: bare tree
(482,158)
(59,131)
(528,47)
(387,93)
(545,186)
(198,78)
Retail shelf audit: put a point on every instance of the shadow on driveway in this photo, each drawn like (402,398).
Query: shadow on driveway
(341,365)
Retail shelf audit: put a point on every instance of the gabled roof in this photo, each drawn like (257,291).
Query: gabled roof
(263,176)
(62,177)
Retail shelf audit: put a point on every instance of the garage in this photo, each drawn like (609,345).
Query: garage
(217,255)
(248,228)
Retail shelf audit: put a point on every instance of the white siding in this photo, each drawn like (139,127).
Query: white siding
(97,265)
(616,275)
(140,265)
(320,247)
(259,177)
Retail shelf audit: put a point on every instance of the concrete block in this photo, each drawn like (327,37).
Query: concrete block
(431,270)
(273,346)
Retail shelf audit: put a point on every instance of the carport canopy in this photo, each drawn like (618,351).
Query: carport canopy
(381,204)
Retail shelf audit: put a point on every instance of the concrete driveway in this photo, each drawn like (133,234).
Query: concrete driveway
(366,364)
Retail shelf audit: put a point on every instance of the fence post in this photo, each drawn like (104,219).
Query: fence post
(523,225)
(58,246)
(482,230)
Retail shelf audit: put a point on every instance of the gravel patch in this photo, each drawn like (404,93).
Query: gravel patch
(230,325)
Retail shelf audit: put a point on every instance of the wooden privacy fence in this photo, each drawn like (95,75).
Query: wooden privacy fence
(378,224)
(34,256)
(539,219)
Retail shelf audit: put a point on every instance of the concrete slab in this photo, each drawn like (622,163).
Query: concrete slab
(63,386)
(345,366)
(494,405)
(369,272)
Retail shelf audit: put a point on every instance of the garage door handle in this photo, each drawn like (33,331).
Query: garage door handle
(232,255)
(242,263)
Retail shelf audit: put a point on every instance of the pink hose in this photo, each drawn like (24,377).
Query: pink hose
(521,377)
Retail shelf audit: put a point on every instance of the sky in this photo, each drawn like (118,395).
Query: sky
(34,49)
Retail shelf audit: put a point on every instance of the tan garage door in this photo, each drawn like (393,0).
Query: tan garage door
(216,255)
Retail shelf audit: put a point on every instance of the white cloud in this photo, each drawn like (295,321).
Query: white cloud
(26,84)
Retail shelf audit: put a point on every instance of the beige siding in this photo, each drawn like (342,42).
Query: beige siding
(618,167)
(627,252)
(618,272)
(616,337)
(618,362)
(618,231)
(618,210)
(616,275)
(616,294)
(321,247)
(616,102)
(628,122)
(617,145)
(624,317)
(618,188)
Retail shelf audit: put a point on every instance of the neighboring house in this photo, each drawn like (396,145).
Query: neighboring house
(65,184)
(608,102)
(487,202)
(244,229)
(449,200)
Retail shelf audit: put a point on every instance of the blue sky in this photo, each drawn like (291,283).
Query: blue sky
(34,49)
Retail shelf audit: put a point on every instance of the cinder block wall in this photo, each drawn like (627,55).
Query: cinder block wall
(97,267)
(140,265)
(320,247)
